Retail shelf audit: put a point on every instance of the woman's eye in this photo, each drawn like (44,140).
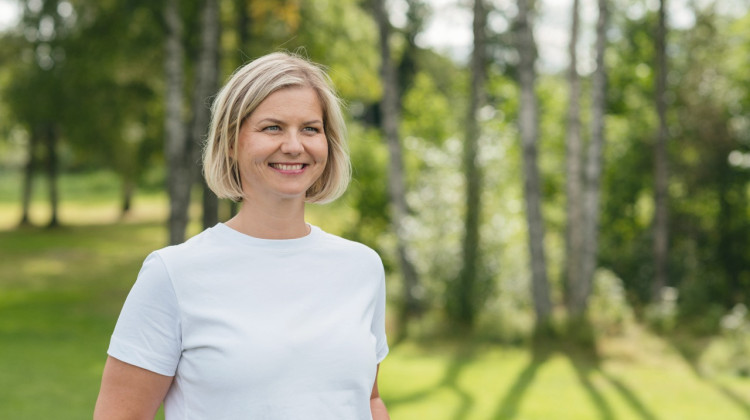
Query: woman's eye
(272,128)
(312,129)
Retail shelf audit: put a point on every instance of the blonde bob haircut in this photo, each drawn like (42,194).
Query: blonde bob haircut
(246,89)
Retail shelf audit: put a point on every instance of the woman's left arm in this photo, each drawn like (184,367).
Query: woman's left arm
(377,406)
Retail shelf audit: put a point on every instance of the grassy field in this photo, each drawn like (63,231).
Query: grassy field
(61,291)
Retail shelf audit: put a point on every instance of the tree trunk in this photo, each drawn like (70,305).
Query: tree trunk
(128,189)
(389,108)
(50,138)
(574,180)
(205,86)
(466,293)
(594,162)
(28,177)
(528,127)
(243,22)
(179,173)
(661,171)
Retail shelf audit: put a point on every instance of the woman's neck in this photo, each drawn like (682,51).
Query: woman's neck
(281,221)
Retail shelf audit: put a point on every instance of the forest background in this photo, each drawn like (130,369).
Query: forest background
(565,230)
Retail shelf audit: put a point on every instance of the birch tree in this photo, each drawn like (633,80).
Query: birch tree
(528,125)
(594,163)
(183,141)
(573,180)
(179,175)
(661,170)
(390,110)
(462,297)
(206,85)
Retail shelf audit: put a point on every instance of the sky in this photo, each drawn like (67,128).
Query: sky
(449,30)
(9,12)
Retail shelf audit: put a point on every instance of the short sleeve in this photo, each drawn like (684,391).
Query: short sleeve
(378,320)
(148,331)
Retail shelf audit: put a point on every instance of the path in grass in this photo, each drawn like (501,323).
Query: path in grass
(61,291)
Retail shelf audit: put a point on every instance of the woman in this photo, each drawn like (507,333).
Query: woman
(264,316)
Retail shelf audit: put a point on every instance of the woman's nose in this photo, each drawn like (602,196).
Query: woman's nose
(292,144)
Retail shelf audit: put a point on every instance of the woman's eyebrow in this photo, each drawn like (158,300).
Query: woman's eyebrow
(278,121)
(270,120)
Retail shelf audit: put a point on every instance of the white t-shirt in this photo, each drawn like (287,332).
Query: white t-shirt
(258,329)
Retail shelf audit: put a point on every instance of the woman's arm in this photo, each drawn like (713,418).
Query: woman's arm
(377,406)
(129,392)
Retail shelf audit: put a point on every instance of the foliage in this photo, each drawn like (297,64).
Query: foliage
(708,193)
(98,76)
(735,336)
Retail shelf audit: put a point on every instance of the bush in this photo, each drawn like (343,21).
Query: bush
(608,308)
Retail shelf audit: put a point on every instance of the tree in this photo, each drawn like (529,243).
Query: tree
(661,169)
(37,94)
(573,177)
(28,178)
(390,106)
(464,306)
(183,142)
(528,126)
(583,212)
(179,176)
(206,85)
(709,226)
(594,164)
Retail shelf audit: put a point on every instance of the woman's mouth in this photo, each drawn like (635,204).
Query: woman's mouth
(288,166)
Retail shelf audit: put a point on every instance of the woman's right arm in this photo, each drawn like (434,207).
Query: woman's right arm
(129,392)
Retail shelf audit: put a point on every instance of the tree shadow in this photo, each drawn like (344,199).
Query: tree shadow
(508,407)
(461,358)
(734,397)
(691,350)
(631,398)
(586,365)
(586,360)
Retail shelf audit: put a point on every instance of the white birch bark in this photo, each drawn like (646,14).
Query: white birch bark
(573,176)
(528,127)
(390,110)
(207,74)
(594,162)
(176,145)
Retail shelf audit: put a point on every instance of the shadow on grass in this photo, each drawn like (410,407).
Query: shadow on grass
(461,358)
(586,362)
(735,398)
(691,350)
(631,398)
(585,368)
(508,408)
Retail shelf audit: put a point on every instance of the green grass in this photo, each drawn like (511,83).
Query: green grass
(61,291)
(642,379)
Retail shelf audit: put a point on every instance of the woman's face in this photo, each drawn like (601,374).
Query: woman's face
(282,147)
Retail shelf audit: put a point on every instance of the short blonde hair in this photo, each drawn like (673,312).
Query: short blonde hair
(246,89)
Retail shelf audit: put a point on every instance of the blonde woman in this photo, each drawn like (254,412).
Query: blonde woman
(263,316)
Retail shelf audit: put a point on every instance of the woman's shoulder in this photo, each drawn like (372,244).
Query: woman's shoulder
(192,249)
(341,244)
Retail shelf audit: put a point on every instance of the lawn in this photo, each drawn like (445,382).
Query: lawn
(61,291)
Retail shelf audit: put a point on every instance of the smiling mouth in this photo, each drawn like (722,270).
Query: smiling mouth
(288,166)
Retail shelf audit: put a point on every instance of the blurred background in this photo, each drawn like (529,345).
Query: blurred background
(559,190)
